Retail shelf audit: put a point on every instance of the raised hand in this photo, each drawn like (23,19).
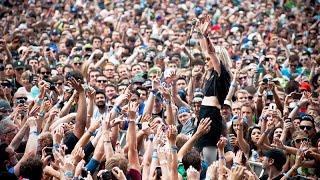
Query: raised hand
(222,143)
(204,127)
(212,172)
(133,109)
(76,85)
(172,134)
(237,173)
(193,174)
(77,155)
(118,173)
(203,25)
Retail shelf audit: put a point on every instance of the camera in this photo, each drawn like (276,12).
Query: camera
(108,175)
(20,101)
(265,80)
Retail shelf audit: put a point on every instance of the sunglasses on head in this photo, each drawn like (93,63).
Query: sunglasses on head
(305,127)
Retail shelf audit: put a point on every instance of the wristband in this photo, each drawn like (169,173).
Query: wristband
(233,84)
(286,175)
(91,133)
(107,141)
(154,91)
(174,149)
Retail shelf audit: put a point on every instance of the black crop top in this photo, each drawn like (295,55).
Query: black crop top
(218,85)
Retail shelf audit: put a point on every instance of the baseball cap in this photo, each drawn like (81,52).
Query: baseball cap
(18,65)
(304,86)
(227,103)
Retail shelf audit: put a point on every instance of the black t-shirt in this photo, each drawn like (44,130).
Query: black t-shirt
(265,177)
(70,141)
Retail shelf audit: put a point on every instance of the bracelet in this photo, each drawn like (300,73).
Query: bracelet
(34,132)
(167,102)
(55,146)
(233,84)
(41,114)
(107,141)
(154,91)
(68,174)
(39,102)
(222,158)
(298,105)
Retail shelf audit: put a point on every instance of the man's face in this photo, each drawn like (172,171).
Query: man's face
(107,43)
(115,36)
(93,76)
(225,111)
(242,97)
(110,92)
(135,69)
(100,100)
(143,94)
(9,70)
(109,71)
(265,162)
(123,72)
(307,127)
(293,66)
(181,84)
(34,63)
(183,117)
(101,82)
(246,112)
(96,44)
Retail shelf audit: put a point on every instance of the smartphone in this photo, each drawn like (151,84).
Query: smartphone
(158,172)
(296,95)
(139,125)
(287,120)
(272,107)
(48,151)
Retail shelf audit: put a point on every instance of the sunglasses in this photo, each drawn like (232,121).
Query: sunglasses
(45,73)
(102,81)
(305,127)
(293,65)
(77,64)
(244,77)
(304,59)
(5,85)
(301,140)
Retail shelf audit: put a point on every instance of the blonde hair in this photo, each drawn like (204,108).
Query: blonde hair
(224,58)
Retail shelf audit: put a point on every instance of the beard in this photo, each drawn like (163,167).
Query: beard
(101,105)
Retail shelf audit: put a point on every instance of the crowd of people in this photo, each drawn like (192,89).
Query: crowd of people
(208,89)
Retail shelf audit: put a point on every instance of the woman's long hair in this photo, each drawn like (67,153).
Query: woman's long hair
(224,58)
